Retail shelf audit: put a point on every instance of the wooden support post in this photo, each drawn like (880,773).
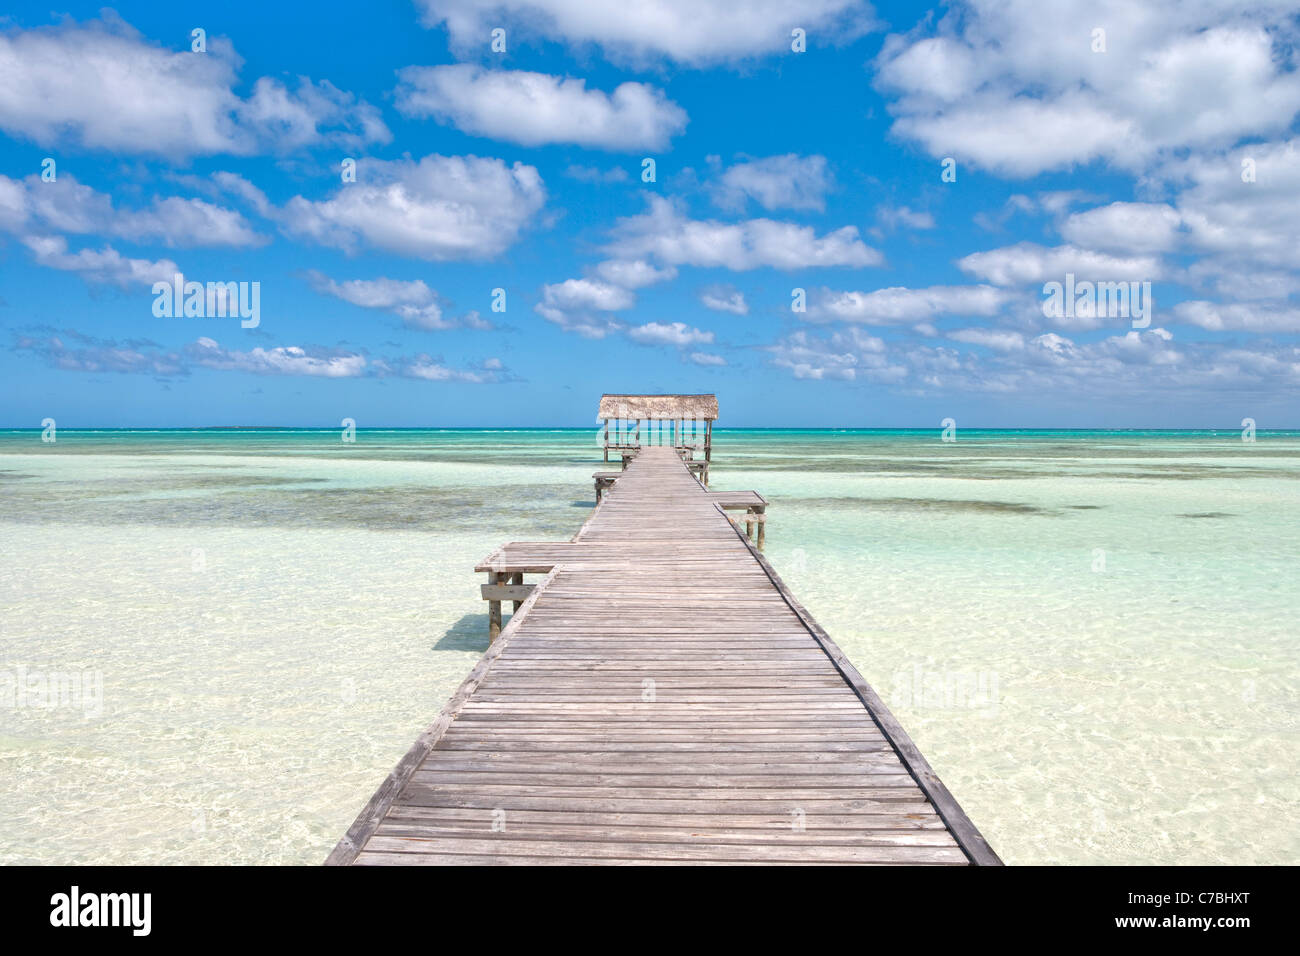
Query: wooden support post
(494,609)
(516,578)
(606,448)
(762,531)
(708,450)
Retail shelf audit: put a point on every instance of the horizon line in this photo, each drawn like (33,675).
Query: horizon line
(597,426)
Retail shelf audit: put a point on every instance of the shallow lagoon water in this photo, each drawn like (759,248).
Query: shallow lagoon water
(1091,635)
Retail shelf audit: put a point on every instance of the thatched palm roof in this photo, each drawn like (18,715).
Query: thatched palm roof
(662,407)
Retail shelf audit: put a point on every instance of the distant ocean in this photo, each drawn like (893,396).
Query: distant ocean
(215,643)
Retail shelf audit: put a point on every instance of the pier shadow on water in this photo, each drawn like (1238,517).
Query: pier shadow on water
(470,633)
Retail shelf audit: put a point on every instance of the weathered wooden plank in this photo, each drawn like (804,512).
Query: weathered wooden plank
(892,817)
(784,835)
(504,845)
(506,592)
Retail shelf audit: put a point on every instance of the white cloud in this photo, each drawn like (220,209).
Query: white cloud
(89,354)
(1248,223)
(724,299)
(1241,317)
(1245,232)
(100,84)
(673,333)
(695,32)
(1240,278)
(575,305)
(1001,340)
(379,293)
(777,182)
(186,222)
(99,265)
(1049,367)
(418,306)
(13,204)
(587,294)
(1239,211)
(634,273)
(237,185)
(535,109)
(845,355)
(1125,227)
(439,208)
(291,119)
(894,216)
(281,360)
(1028,263)
(432,370)
(899,304)
(663,233)
(707,359)
(998,84)
(68,206)
(74,351)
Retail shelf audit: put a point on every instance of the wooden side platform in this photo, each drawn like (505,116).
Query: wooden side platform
(660,697)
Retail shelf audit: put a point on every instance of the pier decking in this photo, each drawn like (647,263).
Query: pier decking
(660,697)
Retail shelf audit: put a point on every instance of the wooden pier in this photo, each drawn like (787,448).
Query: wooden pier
(660,697)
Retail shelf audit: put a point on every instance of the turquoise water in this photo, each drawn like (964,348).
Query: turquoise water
(1091,635)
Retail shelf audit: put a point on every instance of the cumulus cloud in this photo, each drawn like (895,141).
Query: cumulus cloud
(899,304)
(374,293)
(1125,227)
(1028,262)
(280,360)
(588,294)
(667,236)
(695,32)
(417,305)
(105,265)
(724,298)
(68,206)
(1195,75)
(577,305)
(633,273)
(670,333)
(429,369)
(776,182)
(706,359)
(535,109)
(846,355)
(1238,210)
(439,208)
(1239,317)
(1001,340)
(1046,367)
(101,85)
(237,185)
(1244,222)
(893,217)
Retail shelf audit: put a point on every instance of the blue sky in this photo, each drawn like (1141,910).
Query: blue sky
(1161,150)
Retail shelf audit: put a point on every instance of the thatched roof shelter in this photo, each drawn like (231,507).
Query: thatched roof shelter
(660,407)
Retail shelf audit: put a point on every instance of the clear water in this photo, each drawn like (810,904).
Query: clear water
(1091,635)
